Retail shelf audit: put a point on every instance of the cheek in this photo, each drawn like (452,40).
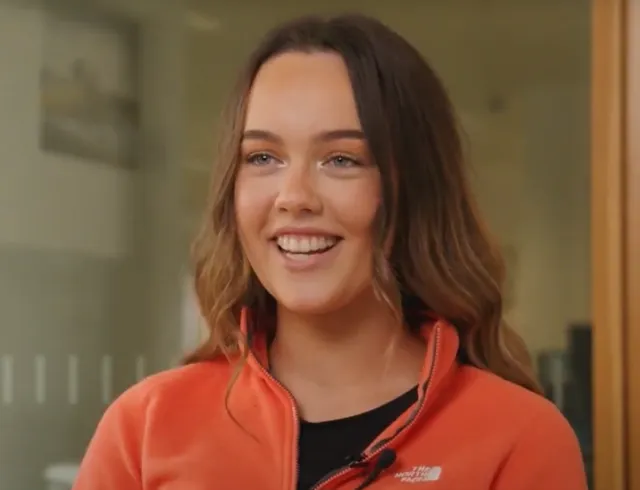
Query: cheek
(251,206)
(357,208)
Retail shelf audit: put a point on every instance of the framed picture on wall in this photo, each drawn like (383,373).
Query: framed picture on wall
(89,87)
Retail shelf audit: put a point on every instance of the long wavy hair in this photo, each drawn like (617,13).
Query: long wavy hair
(442,258)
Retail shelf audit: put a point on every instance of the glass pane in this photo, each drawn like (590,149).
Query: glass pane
(107,118)
(92,235)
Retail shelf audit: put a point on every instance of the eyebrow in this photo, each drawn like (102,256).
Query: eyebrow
(336,134)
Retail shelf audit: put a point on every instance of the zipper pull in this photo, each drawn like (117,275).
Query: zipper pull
(385,459)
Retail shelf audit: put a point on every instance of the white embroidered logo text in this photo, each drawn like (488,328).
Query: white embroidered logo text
(419,474)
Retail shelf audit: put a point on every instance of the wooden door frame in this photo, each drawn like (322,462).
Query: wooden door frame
(615,166)
(632,240)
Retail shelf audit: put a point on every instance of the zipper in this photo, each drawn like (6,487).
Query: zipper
(296,425)
(360,460)
(385,443)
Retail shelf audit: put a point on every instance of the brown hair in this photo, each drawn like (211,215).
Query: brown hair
(442,259)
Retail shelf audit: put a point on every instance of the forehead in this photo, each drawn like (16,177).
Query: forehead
(302,93)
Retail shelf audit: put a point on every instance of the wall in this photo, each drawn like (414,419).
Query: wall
(61,232)
(531,169)
(554,233)
(89,256)
(47,201)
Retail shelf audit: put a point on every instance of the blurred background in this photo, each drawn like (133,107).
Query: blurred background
(108,115)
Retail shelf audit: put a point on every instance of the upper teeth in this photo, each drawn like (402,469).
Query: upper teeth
(305,244)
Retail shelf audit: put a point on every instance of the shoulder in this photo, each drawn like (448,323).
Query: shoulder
(171,388)
(114,456)
(520,406)
(161,399)
(529,426)
(521,417)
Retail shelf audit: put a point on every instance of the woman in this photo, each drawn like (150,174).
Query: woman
(352,295)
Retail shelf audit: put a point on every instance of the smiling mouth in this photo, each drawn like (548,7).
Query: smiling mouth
(306,245)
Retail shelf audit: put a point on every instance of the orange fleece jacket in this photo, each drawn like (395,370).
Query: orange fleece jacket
(470,430)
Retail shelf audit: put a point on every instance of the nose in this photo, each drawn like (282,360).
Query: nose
(298,191)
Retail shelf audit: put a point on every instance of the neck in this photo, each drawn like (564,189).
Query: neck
(362,347)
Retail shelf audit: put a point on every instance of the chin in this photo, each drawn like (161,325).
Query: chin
(310,306)
(313,302)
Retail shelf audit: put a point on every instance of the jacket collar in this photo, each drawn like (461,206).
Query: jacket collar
(443,349)
(440,364)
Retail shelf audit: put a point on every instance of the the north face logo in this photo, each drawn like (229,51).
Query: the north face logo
(419,474)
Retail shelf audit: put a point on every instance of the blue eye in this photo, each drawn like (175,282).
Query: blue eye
(342,161)
(260,159)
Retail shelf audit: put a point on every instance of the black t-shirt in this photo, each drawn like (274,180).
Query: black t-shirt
(327,446)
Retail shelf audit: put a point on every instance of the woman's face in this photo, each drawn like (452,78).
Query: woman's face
(307,191)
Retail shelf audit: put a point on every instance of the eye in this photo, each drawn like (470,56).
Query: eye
(260,159)
(342,161)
